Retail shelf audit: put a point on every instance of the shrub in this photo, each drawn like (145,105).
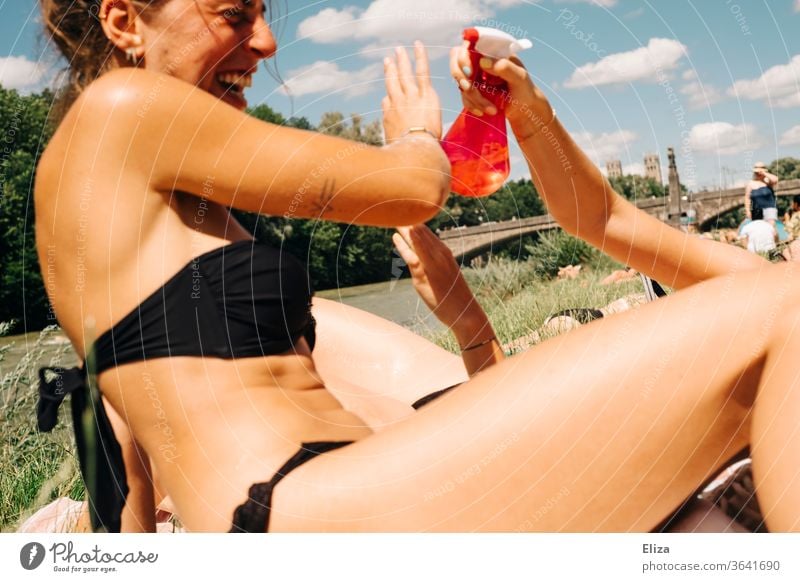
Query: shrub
(556,249)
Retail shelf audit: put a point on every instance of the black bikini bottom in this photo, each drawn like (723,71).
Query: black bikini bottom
(253,514)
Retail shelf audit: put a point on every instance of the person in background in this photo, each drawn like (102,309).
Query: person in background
(758,236)
(759,193)
(792,220)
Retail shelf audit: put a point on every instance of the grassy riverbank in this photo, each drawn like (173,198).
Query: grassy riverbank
(38,468)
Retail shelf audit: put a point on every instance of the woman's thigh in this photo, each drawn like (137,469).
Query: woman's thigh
(360,355)
(609,427)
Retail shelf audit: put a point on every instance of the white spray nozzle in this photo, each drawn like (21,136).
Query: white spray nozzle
(498,44)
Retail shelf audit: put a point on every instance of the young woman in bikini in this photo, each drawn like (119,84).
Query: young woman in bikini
(204,339)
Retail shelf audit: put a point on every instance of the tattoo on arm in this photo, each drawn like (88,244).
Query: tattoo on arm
(323,204)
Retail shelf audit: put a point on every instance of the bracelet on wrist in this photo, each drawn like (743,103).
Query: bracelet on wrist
(540,126)
(412,130)
(479,345)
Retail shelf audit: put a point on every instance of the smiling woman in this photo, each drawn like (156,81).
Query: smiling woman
(205,343)
(154,150)
(95,36)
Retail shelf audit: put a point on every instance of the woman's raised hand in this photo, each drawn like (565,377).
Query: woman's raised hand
(410,101)
(526,108)
(436,276)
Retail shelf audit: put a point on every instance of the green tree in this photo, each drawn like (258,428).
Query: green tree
(635,187)
(335,123)
(517,199)
(265,113)
(336,254)
(786,168)
(24,132)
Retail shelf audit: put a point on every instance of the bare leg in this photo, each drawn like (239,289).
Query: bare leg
(569,436)
(362,356)
(139,513)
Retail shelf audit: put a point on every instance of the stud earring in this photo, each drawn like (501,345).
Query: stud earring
(130,55)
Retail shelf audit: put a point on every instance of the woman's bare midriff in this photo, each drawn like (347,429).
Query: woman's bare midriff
(214,427)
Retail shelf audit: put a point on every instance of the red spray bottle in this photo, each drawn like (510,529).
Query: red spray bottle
(478,146)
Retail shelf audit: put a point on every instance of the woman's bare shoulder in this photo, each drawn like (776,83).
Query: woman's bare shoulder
(129,93)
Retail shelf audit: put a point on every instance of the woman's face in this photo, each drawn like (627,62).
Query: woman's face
(213,44)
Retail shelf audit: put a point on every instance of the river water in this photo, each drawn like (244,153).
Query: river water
(393,300)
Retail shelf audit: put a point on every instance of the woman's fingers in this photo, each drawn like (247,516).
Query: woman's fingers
(461,70)
(393,89)
(401,240)
(457,67)
(510,70)
(407,79)
(423,68)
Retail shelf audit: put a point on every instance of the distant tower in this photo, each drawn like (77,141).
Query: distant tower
(674,189)
(614,169)
(652,167)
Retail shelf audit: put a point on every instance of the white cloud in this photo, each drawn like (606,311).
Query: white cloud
(650,64)
(792,135)
(327,77)
(328,25)
(19,72)
(724,138)
(605,146)
(797,5)
(390,22)
(779,86)
(701,96)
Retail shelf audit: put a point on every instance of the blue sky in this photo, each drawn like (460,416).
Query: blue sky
(718,80)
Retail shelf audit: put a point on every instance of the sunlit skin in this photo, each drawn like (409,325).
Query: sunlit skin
(629,444)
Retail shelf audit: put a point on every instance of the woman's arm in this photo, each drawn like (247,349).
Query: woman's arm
(173,136)
(770,180)
(583,202)
(439,282)
(747,205)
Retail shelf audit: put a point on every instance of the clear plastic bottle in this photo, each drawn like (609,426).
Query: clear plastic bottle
(478,146)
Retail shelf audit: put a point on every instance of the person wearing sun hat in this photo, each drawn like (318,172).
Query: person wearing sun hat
(759,194)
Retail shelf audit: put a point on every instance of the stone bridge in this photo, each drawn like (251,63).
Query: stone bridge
(469,242)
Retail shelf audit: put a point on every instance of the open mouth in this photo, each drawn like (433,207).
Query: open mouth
(235,83)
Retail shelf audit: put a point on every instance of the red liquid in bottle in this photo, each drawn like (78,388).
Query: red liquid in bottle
(477,147)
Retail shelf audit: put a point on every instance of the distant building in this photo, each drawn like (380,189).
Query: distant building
(652,167)
(614,169)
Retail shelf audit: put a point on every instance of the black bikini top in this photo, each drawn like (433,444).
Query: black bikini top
(244,299)
(240,300)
